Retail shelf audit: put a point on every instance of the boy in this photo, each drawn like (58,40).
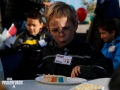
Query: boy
(20,64)
(109,31)
(82,60)
(105,9)
(16,11)
(35,37)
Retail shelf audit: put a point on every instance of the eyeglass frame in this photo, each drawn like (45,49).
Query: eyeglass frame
(62,31)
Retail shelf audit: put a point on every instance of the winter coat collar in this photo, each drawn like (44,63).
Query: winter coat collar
(54,44)
(30,35)
(116,40)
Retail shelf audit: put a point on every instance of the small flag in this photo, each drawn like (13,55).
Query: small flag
(10,35)
(12,30)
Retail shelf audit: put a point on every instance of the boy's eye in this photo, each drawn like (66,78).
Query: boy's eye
(28,24)
(31,25)
(34,25)
(66,27)
(55,30)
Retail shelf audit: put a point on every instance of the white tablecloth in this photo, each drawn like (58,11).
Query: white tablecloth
(102,81)
(35,85)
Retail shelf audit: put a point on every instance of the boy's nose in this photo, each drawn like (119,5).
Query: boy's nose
(31,27)
(61,34)
(101,36)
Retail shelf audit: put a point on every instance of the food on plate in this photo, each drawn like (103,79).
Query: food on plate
(54,78)
(87,86)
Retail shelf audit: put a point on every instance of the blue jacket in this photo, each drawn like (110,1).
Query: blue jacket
(115,55)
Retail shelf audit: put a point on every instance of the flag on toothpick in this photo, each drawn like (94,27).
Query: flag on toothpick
(12,31)
(11,35)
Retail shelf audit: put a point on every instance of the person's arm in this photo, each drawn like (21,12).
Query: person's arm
(116,60)
(17,41)
(99,67)
(114,83)
(38,4)
(47,3)
(99,6)
(39,63)
(7,51)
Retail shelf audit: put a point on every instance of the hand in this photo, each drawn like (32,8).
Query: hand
(24,47)
(75,71)
(94,15)
(47,4)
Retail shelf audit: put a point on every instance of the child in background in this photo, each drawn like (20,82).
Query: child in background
(29,43)
(35,37)
(109,31)
(19,64)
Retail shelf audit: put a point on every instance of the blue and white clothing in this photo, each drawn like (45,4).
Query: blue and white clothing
(115,54)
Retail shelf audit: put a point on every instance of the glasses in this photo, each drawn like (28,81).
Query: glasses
(65,30)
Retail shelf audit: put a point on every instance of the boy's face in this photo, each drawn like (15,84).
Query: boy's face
(62,30)
(34,26)
(106,36)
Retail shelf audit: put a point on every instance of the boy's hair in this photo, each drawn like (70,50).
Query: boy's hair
(34,14)
(60,9)
(108,25)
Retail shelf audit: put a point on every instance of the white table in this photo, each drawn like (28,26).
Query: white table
(35,85)
(103,81)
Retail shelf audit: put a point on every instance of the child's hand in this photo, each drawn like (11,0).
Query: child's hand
(24,47)
(47,4)
(75,71)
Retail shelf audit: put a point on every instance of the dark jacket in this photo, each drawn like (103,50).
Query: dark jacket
(114,83)
(92,63)
(26,38)
(22,62)
(106,9)
(19,8)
